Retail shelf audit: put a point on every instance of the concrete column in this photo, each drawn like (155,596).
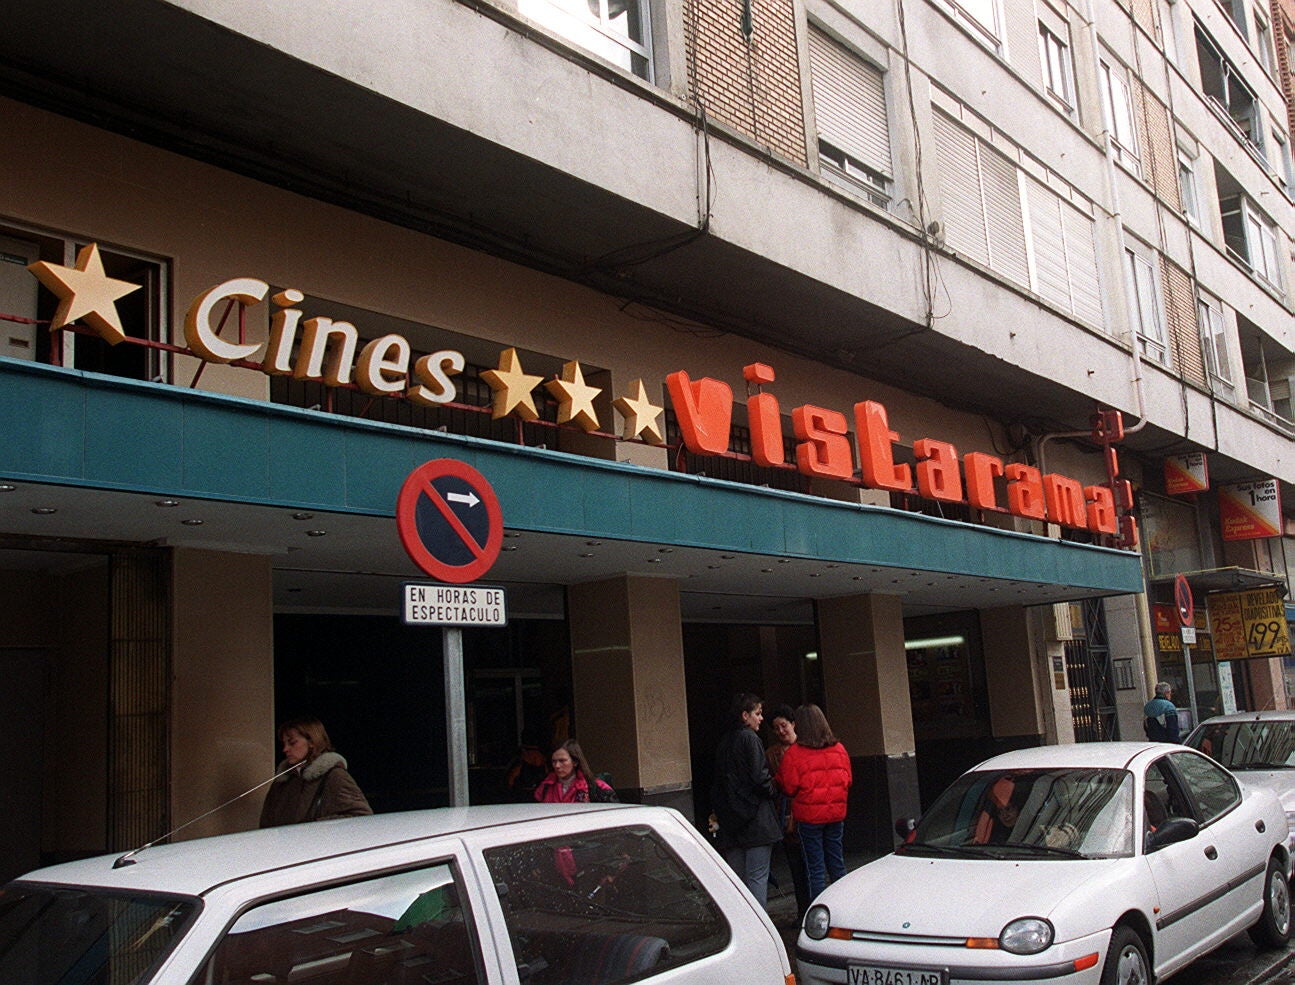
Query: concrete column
(1018,686)
(865,685)
(631,708)
(222,691)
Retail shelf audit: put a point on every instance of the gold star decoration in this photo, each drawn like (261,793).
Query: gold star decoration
(512,388)
(86,293)
(575,397)
(640,415)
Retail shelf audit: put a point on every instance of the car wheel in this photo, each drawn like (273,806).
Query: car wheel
(1126,960)
(1273,928)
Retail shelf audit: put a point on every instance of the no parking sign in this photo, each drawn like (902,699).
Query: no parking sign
(450,521)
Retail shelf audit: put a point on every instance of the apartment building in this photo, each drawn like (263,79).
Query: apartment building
(927,360)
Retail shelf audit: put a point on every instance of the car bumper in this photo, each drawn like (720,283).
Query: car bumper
(828,962)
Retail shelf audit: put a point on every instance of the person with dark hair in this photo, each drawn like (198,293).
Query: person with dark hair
(527,770)
(783,722)
(742,796)
(319,787)
(816,774)
(571,781)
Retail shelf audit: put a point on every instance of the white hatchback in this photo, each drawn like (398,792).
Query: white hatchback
(534,894)
(1101,862)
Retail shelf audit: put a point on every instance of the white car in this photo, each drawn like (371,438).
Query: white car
(536,894)
(1259,746)
(1102,862)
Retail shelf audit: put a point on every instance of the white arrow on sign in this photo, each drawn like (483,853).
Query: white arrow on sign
(469,498)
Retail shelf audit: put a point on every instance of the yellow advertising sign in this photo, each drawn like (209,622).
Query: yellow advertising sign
(1249,625)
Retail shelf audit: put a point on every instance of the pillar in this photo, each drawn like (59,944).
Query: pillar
(222,692)
(1017,685)
(631,709)
(865,686)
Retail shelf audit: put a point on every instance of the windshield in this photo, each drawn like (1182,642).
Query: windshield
(1253,745)
(56,935)
(1021,814)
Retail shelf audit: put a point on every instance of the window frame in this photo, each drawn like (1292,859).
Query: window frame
(600,24)
(1121,129)
(1189,188)
(1213,329)
(1062,65)
(1142,279)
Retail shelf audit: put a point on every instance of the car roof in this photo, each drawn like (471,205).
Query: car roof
(1099,755)
(1250,716)
(195,866)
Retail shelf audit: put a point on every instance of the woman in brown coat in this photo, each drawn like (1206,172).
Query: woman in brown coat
(319,788)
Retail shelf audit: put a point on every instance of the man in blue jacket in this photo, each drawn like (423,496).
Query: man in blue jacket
(1161,722)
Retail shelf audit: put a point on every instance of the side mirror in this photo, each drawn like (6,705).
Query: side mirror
(1174,830)
(906,827)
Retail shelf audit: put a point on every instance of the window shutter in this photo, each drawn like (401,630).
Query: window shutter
(964,212)
(1048,245)
(1023,39)
(1081,261)
(849,103)
(1006,220)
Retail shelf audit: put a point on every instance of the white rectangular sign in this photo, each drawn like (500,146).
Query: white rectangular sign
(436,604)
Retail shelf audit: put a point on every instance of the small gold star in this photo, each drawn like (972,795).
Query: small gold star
(512,388)
(86,293)
(575,397)
(640,415)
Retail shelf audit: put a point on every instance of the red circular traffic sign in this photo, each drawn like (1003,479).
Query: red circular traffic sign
(449,520)
(1183,601)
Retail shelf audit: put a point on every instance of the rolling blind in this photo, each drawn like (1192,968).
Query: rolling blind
(964,210)
(849,103)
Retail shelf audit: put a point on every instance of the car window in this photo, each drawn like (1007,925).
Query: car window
(1254,745)
(55,934)
(395,928)
(1211,786)
(602,907)
(1163,797)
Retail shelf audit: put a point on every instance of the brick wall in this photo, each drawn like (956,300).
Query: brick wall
(1283,20)
(753,86)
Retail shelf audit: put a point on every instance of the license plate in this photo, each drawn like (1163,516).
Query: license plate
(871,974)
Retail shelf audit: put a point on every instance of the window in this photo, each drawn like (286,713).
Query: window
(1236,11)
(1117,109)
(1268,369)
(1264,42)
(603,906)
(1058,76)
(30,307)
(397,927)
(1188,192)
(617,30)
(1251,238)
(1233,100)
(1214,343)
(1063,255)
(850,110)
(981,16)
(1144,304)
(1282,163)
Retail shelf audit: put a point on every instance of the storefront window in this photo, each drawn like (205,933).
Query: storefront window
(1169,533)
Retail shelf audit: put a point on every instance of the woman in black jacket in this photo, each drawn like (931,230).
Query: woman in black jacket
(742,797)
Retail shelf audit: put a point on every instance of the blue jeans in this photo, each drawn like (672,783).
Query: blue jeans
(752,865)
(820,845)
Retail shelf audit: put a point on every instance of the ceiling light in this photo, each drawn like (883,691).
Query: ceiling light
(712,566)
(784,560)
(511,533)
(43,510)
(509,547)
(766,571)
(934,641)
(586,554)
(303,516)
(593,543)
(194,522)
(665,550)
(727,557)
(815,574)
(316,533)
(7,487)
(654,560)
(167,503)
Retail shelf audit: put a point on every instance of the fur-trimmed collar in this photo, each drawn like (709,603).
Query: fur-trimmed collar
(314,769)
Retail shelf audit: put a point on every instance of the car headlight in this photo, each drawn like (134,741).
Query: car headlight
(817,922)
(1028,935)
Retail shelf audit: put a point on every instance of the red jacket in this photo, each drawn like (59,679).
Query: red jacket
(817,781)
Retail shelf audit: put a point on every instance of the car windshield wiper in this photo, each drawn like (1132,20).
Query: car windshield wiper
(929,848)
(1022,846)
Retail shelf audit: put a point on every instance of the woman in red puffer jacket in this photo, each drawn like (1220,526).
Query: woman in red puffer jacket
(816,774)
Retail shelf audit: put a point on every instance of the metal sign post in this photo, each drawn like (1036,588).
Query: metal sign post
(1186,607)
(456,715)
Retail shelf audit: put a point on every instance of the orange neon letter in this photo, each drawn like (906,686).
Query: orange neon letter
(1024,491)
(824,450)
(764,418)
(1101,510)
(876,456)
(1065,500)
(937,470)
(981,470)
(705,412)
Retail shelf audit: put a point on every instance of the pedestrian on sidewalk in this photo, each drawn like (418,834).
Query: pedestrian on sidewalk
(782,720)
(816,774)
(742,796)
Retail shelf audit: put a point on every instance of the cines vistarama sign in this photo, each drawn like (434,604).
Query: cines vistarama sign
(325,351)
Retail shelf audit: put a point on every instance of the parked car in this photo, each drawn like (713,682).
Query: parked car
(1100,862)
(536,894)
(1259,746)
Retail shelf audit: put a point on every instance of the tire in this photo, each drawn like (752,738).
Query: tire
(1126,959)
(1273,928)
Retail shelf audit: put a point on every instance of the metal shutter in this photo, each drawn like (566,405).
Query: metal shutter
(1081,262)
(1048,245)
(1001,181)
(964,211)
(849,103)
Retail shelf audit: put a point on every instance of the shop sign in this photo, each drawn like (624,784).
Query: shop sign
(1249,625)
(1170,633)
(1186,474)
(328,351)
(430,604)
(1250,510)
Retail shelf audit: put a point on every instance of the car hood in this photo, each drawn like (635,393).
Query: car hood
(1280,782)
(911,895)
